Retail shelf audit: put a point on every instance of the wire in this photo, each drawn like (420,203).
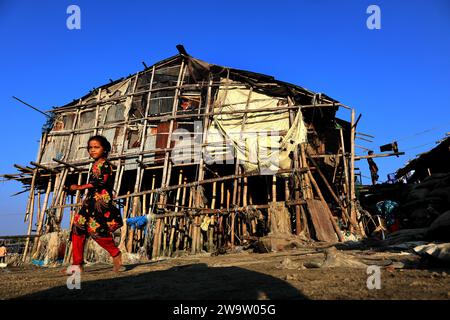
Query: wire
(419,146)
(423,132)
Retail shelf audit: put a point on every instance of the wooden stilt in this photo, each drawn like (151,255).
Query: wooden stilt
(222,194)
(30,213)
(123,230)
(304,164)
(274,188)
(167,165)
(344,161)
(42,216)
(214,195)
(177,198)
(286,189)
(153,187)
(183,198)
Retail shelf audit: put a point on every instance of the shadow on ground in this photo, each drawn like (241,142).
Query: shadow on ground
(190,282)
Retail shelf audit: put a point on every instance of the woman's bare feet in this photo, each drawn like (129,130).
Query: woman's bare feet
(117,262)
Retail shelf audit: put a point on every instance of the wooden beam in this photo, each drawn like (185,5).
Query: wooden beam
(381,155)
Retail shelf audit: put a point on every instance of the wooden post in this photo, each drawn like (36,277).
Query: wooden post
(41,218)
(286,189)
(244,203)
(274,188)
(352,172)
(183,197)
(222,194)
(39,212)
(144,129)
(165,171)
(306,176)
(296,177)
(153,187)
(344,161)
(123,230)
(197,233)
(233,221)
(211,234)
(214,195)
(174,220)
(30,214)
(235,202)
(177,198)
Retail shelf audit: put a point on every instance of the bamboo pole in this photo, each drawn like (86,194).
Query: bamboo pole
(210,232)
(153,187)
(235,202)
(380,155)
(183,198)
(181,233)
(30,196)
(286,189)
(165,180)
(214,194)
(306,176)
(174,220)
(130,155)
(30,215)
(168,117)
(123,230)
(274,188)
(130,238)
(121,146)
(143,212)
(296,178)
(346,186)
(352,171)
(177,198)
(201,173)
(134,200)
(41,218)
(72,217)
(206,181)
(222,194)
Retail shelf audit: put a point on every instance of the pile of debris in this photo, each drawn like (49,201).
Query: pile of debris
(424,202)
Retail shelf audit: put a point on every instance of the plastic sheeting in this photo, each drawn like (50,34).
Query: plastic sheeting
(260,140)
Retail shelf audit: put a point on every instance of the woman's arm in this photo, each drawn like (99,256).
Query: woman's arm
(81,186)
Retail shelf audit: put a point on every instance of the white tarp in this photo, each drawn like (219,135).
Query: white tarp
(259,143)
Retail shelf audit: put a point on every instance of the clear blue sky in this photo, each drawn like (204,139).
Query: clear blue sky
(398,77)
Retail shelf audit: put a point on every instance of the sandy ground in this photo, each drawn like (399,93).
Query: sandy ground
(292,274)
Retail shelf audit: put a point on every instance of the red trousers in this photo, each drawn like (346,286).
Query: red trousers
(78,247)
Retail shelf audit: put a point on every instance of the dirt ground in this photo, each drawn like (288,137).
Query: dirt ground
(299,273)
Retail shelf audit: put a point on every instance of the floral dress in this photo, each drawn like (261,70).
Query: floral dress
(98,216)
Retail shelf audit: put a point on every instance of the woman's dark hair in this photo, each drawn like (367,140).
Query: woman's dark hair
(103,141)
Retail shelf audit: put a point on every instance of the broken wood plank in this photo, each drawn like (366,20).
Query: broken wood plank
(321,221)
